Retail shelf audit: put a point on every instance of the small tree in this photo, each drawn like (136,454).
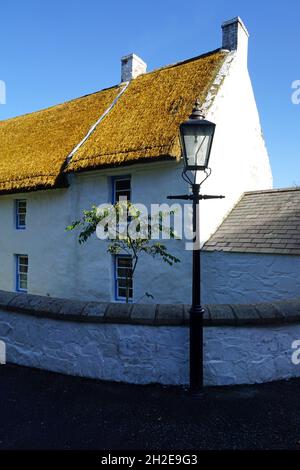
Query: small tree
(127,231)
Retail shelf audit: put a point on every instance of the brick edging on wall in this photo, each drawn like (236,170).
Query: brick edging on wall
(149,314)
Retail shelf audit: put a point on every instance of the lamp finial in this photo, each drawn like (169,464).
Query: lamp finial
(197,112)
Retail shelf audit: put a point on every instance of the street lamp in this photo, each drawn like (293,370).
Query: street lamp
(196,136)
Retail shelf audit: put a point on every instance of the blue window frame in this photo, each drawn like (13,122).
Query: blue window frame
(21,211)
(21,273)
(123,277)
(121,187)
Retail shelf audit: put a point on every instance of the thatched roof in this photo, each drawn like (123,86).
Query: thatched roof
(143,124)
(33,148)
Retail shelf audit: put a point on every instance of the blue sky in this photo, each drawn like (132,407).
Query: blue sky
(52,51)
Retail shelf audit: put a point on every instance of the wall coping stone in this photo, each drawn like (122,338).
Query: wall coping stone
(276,312)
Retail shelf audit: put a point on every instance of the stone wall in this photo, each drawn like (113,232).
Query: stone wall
(249,277)
(149,343)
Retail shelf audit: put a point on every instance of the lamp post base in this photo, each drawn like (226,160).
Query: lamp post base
(197,394)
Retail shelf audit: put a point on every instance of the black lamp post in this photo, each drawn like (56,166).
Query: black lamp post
(196,141)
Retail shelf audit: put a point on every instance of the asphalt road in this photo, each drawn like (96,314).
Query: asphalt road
(43,410)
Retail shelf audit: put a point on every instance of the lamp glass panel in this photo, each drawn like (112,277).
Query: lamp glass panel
(197,143)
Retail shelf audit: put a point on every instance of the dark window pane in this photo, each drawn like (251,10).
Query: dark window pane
(21,213)
(121,292)
(124,280)
(23,284)
(22,272)
(124,272)
(122,184)
(122,189)
(22,219)
(125,283)
(124,262)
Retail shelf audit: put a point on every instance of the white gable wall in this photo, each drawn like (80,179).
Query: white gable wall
(239,158)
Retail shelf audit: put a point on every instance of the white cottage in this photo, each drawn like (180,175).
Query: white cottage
(56,162)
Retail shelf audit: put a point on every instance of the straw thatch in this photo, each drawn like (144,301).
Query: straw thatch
(34,147)
(145,121)
(143,124)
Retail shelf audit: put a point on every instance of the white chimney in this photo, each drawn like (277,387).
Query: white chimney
(131,67)
(235,37)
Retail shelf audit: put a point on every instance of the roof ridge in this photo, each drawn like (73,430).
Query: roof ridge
(273,190)
(159,69)
(187,61)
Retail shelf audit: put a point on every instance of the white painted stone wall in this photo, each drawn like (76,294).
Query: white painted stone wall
(230,278)
(146,354)
(60,267)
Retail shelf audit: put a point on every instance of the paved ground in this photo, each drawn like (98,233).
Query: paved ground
(43,410)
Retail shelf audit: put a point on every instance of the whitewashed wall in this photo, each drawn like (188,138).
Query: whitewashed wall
(249,277)
(147,354)
(60,267)
(239,158)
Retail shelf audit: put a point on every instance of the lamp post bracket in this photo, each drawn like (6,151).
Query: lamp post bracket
(192,197)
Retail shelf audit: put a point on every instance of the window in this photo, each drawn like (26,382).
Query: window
(22,273)
(21,207)
(123,277)
(121,188)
